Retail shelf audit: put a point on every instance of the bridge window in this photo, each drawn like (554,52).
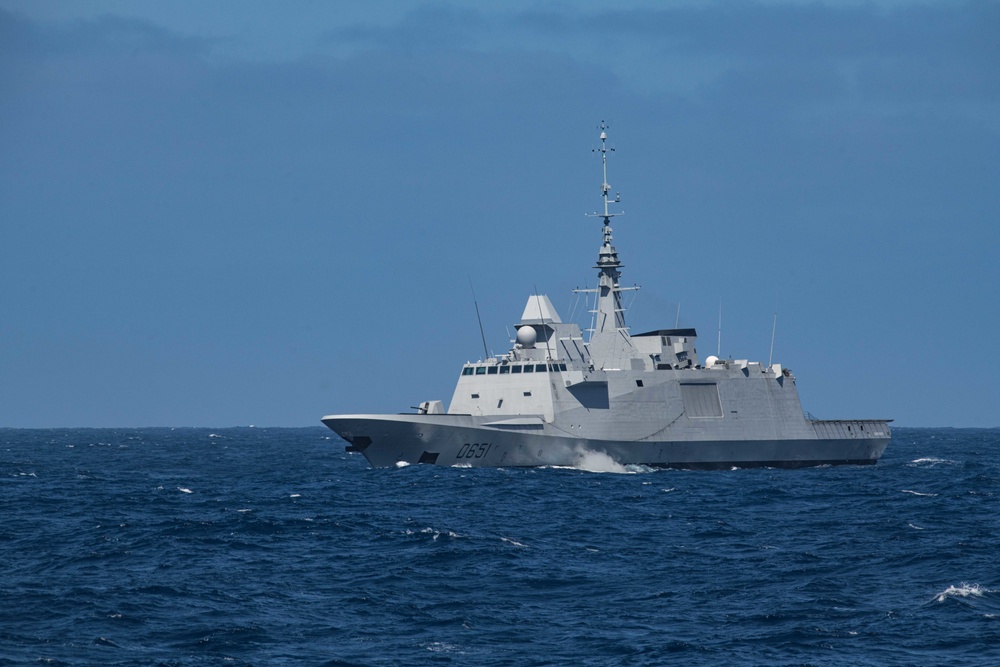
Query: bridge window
(491,370)
(467,370)
(528,368)
(540,368)
(480,370)
(504,370)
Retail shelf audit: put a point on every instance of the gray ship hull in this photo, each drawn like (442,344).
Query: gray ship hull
(463,441)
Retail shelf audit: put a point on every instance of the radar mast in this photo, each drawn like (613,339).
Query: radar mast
(610,316)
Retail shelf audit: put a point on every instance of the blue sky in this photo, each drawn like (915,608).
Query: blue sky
(239,213)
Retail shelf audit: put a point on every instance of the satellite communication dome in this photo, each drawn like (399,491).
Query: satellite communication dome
(710,361)
(527,336)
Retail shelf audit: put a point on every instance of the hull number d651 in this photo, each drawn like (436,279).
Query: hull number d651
(476,450)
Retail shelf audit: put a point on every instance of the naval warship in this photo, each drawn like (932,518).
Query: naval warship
(647,399)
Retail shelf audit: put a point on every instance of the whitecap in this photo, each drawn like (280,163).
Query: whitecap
(295,495)
(214,435)
(244,510)
(514,542)
(438,533)
(441,647)
(672,488)
(183,490)
(915,527)
(917,493)
(931,460)
(963,590)
(401,464)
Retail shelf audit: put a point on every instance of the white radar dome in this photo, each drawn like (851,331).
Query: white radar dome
(710,361)
(527,336)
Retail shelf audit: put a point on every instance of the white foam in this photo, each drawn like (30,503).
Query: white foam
(295,495)
(183,490)
(401,464)
(514,542)
(914,527)
(442,647)
(598,462)
(963,590)
(932,460)
(244,510)
(214,435)
(436,533)
(917,493)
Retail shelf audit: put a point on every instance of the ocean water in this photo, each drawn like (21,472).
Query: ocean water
(261,546)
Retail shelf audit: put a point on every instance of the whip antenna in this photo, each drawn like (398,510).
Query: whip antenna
(479,319)
(773,328)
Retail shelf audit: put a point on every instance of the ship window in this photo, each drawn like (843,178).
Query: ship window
(475,396)
(527,393)
(480,370)
(540,368)
(467,370)
(528,368)
(515,369)
(504,370)
(492,370)
(500,402)
(701,400)
(562,367)
(638,383)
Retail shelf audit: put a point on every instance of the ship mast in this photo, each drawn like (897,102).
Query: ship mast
(610,316)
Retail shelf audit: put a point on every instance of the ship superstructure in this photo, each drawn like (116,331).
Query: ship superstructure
(648,399)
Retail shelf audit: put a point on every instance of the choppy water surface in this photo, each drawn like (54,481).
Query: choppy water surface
(274,547)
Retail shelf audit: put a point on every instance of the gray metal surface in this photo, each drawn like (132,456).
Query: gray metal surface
(557,399)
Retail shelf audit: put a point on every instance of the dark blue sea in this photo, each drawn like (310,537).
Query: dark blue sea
(256,546)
